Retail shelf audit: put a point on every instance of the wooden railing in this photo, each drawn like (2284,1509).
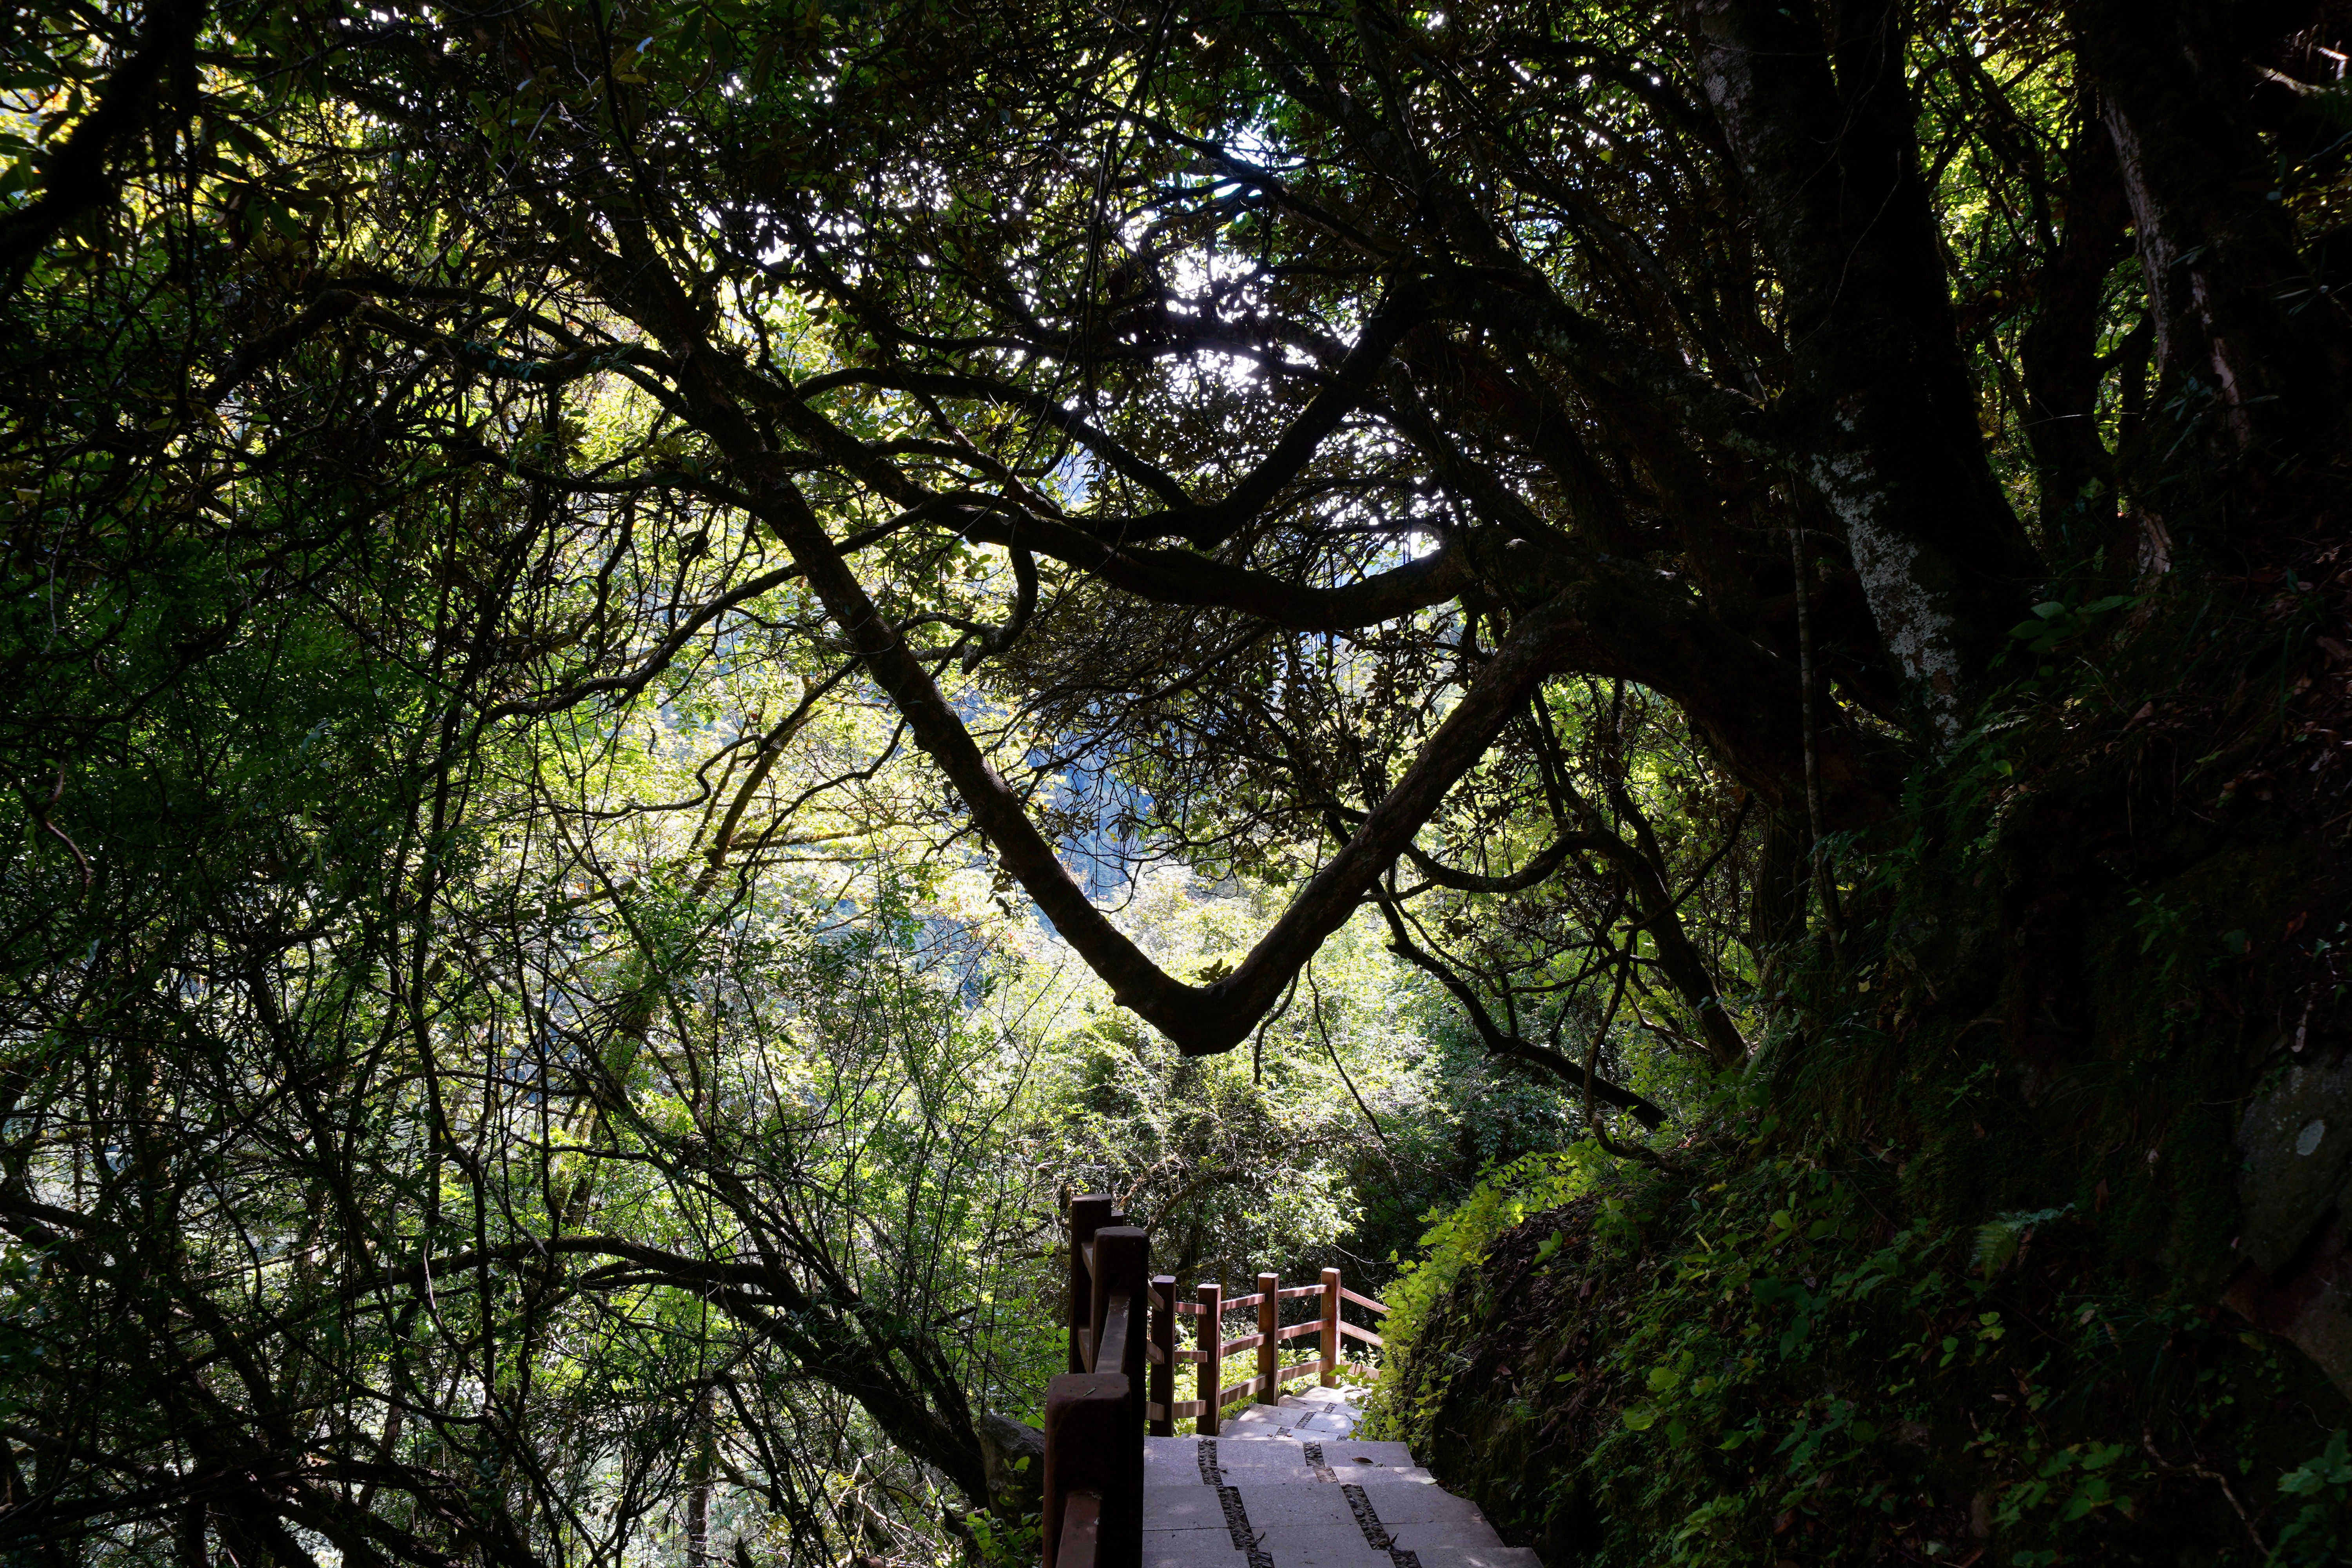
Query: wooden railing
(1122,1320)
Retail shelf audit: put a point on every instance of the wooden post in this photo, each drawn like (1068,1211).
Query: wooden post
(1211,1338)
(1088,1215)
(1078,1543)
(1163,1339)
(1269,1348)
(1123,1267)
(1330,1327)
(1085,1417)
(1122,1256)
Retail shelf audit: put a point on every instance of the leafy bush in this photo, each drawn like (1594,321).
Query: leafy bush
(1765,1366)
(1459,1236)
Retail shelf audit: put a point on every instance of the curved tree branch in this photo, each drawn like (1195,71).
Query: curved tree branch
(1511,1047)
(133,101)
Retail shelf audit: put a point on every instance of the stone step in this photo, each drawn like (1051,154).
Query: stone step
(1320,1546)
(1331,1421)
(1306,1423)
(1266,1494)
(1342,1402)
(1178,1459)
(1343,1544)
(1479,1557)
(1214,1548)
(1340,1453)
(1428,1511)
(1188,1549)
(1454,1535)
(1324,1418)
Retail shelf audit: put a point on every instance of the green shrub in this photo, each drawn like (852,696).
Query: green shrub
(1758,1361)
(1459,1238)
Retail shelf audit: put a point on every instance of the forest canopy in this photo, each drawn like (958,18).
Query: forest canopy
(668,663)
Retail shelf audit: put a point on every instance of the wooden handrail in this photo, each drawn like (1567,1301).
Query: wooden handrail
(1111,1354)
(1081,1542)
(1184,1408)
(1087,1214)
(1123,1357)
(1095,1412)
(1160,1345)
(1094,1462)
(1269,1324)
(1211,1311)
(1235,1303)
(1328,1329)
(1260,1383)
(1251,1341)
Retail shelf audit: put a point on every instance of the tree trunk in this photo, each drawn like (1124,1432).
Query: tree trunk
(2059,361)
(2241,329)
(1878,395)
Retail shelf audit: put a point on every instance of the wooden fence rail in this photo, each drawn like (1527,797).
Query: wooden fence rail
(1122,1377)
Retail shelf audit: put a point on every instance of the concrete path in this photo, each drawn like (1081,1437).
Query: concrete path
(1286,1487)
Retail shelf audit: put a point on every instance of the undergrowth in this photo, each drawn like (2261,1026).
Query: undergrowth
(1461,1236)
(1938,1280)
(1761,1362)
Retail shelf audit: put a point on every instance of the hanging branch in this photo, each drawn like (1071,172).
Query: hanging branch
(1592,1121)
(1832,922)
(1315,995)
(1507,1044)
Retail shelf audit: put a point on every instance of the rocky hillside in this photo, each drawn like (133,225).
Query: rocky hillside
(1759,1360)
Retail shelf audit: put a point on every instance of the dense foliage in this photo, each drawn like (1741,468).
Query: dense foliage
(668,663)
(1672,1372)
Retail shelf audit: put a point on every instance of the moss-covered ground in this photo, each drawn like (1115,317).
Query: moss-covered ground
(1969,1264)
(1760,1360)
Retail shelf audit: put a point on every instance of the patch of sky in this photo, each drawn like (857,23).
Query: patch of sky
(1104,857)
(1072,481)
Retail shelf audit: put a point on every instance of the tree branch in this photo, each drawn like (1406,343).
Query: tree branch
(77,178)
(1510,1047)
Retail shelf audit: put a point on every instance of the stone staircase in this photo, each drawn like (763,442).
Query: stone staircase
(1286,1486)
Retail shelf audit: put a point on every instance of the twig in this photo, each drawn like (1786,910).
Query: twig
(1831,918)
(1315,995)
(41,816)
(2147,1443)
(1592,1122)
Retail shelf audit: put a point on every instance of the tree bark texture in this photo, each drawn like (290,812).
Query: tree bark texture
(1879,403)
(2243,336)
